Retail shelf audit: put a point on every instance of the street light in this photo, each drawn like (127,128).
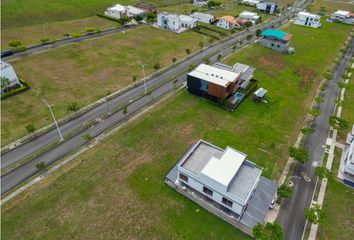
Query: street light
(55,121)
(143,66)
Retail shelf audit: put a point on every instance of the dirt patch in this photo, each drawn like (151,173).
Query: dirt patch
(270,60)
(306,75)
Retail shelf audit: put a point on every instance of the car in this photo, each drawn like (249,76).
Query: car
(272,204)
(6,53)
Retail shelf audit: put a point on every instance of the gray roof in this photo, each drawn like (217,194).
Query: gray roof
(243,69)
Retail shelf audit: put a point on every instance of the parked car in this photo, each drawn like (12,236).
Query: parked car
(6,53)
(272,204)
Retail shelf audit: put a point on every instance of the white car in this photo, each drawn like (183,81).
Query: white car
(272,204)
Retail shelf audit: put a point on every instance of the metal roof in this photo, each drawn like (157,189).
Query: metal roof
(276,33)
(261,92)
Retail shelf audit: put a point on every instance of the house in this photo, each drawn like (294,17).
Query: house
(8,73)
(203,17)
(342,16)
(268,7)
(250,16)
(117,11)
(277,40)
(200,3)
(175,22)
(226,22)
(251,2)
(347,162)
(308,19)
(245,72)
(259,95)
(147,7)
(224,182)
(212,82)
(134,11)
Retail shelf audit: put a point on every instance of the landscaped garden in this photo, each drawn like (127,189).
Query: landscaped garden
(117,189)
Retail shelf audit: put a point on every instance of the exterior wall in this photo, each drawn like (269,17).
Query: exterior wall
(275,44)
(200,87)
(268,8)
(116,14)
(203,18)
(349,159)
(216,196)
(168,22)
(217,91)
(189,24)
(308,21)
(342,18)
(9,73)
(224,24)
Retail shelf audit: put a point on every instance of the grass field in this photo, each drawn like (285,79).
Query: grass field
(339,208)
(116,190)
(31,35)
(330,6)
(16,13)
(71,73)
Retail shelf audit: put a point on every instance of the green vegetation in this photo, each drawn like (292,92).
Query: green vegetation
(268,231)
(327,7)
(40,166)
(284,191)
(322,172)
(338,123)
(308,130)
(120,182)
(299,154)
(71,73)
(315,214)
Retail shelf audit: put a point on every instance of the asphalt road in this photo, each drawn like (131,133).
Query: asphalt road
(23,172)
(291,214)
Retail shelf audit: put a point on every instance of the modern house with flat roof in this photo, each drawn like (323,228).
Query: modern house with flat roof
(134,11)
(175,22)
(250,16)
(342,17)
(268,7)
(226,181)
(8,73)
(203,17)
(308,19)
(117,11)
(276,40)
(347,161)
(212,82)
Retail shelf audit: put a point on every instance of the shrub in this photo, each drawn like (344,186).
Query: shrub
(90,30)
(284,191)
(315,214)
(156,66)
(299,154)
(188,51)
(268,231)
(87,137)
(322,172)
(40,166)
(16,91)
(174,59)
(249,37)
(45,40)
(258,32)
(15,43)
(307,130)
(338,123)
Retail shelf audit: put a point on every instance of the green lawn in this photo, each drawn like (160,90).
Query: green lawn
(80,72)
(116,190)
(329,6)
(16,13)
(338,207)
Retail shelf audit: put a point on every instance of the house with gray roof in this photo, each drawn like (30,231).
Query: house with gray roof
(8,74)
(230,184)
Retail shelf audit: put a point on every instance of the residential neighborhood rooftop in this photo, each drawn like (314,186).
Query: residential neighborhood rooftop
(277,34)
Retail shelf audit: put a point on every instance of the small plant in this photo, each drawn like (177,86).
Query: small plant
(249,37)
(284,191)
(219,57)
(76,35)
(322,172)
(30,128)
(98,30)
(125,110)
(201,44)
(299,154)
(45,40)
(156,66)
(87,137)
(206,60)
(315,214)
(15,43)
(268,231)
(307,130)
(90,30)
(319,99)
(174,59)
(66,35)
(315,112)
(40,166)
(191,67)
(134,78)
(188,51)
(73,107)
(341,84)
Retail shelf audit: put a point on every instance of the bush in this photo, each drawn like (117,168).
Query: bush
(268,231)
(322,172)
(17,90)
(174,59)
(188,51)
(45,40)
(90,30)
(15,43)
(284,191)
(299,154)
(249,37)
(315,214)
(258,32)
(338,123)
(308,130)
(76,35)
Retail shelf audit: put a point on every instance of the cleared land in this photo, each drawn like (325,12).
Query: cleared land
(116,190)
(329,6)
(339,208)
(32,35)
(81,72)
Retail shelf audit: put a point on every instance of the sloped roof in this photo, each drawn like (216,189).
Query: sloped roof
(230,19)
(277,34)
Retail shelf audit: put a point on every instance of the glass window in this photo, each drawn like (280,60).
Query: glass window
(227,202)
(183,177)
(208,191)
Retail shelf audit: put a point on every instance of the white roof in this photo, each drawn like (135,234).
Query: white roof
(186,18)
(199,14)
(214,75)
(4,65)
(343,13)
(248,13)
(224,169)
(308,14)
(117,7)
(134,10)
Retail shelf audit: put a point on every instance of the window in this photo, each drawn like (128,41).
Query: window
(183,177)
(278,46)
(208,191)
(272,45)
(227,202)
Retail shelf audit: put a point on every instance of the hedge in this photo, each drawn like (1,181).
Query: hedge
(24,88)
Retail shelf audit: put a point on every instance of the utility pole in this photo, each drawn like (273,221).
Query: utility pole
(55,121)
(143,66)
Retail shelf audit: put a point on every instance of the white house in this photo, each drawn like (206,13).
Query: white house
(7,72)
(343,17)
(226,22)
(308,19)
(175,22)
(347,168)
(251,2)
(203,17)
(117,11)
(250,16)
(268,7)
(225,179)
(134,11)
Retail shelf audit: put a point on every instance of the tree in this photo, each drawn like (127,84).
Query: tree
(338,123)
(156,66)
(248,24)
(307,130)
(174,59)
(268,231)
(15,43)
(214,3)
(40,166)
(5,84)
(299,154)
(150,17)
(73,107)
(315,214)
(125,110)
(123,20)
(138,18)
(87,137)
(134,78)
(30,128)
(188,51)
(284,191)
(315,112)
(249,37)
(201,44)
(258,32)
(322,172)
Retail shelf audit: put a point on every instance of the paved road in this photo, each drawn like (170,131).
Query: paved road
(291,215)
(27,170)
(66,41)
